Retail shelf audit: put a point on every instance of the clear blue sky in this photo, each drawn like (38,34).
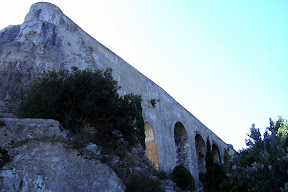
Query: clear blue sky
(225,61)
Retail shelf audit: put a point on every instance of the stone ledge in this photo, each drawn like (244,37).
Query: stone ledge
(18,130)
(48,166)
(43,160)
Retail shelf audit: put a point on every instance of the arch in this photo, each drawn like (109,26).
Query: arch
(151,149)
(226,157)
(216,154)
(183,153)
(200,152)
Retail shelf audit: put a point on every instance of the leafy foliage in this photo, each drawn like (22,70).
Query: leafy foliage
(215,174)
(183,178)
(209,167)
(154,101)
(283,127)
(85,98)
(141,182)
(263,165)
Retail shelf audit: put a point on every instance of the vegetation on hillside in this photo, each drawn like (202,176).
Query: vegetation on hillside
(262,166)
(183,178)
(83,99)
(86,102)
(215,172)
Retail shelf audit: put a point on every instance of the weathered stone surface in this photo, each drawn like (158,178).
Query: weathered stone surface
(49,40)
(48,166)
(17,131)
(9,34)
(41,160)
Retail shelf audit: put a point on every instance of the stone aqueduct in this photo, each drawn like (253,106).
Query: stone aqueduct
(173,134)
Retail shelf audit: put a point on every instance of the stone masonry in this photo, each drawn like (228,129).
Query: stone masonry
(50,40)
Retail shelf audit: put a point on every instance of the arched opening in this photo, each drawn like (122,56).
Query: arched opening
(150,145)
(200,151)
(183,154)
(216,154)
(226,157)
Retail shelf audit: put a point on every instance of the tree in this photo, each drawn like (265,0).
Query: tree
(263,165)
(210,175)
(283,127)
(215,173)
(85,98)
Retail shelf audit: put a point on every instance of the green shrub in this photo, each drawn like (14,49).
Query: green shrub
(263,165)
(215,175)
(4,157)
(2,124)
(183,178)
(141,182)
(84,97)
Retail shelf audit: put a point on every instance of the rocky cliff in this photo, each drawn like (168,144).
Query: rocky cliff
(40,157)
(46,40)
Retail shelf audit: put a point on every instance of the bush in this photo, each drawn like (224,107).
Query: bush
(140,182)
(215,175)
(4,157)
(263,165)
(82,98)
(2,124)
(183,178)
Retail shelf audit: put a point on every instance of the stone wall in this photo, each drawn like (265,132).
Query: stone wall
(49,40)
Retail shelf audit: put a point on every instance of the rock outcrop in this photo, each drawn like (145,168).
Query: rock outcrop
(41,159)
(46,40)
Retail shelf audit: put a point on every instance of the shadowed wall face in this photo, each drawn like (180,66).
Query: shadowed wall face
(183,152)
(226,157)
(151,146)
(200,151)
(216,153)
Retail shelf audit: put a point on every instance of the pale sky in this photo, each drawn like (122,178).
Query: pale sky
(225,61)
